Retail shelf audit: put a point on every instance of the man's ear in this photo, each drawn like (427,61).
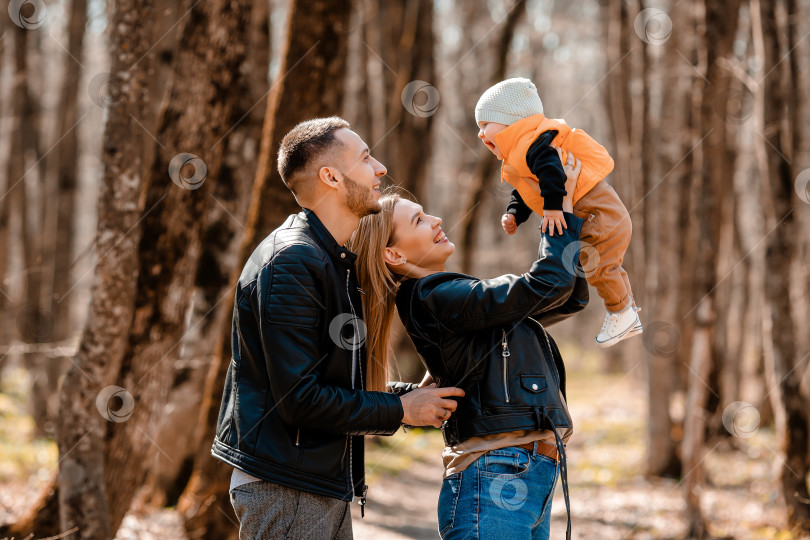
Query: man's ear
(329,176)
(393,256)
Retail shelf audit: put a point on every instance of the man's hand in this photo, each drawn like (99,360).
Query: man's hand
(552,219)
(508,223)
(427,406)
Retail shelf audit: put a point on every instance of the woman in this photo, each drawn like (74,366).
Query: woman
(504,440)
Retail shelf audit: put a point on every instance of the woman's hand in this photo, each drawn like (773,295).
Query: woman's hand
(426,380)
(572,169)
(553,219)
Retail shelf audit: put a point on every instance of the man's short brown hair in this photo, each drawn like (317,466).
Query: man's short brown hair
(302,146)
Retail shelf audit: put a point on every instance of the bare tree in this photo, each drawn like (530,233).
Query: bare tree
(24,191)
(56,242)
(664,204)
(310,84)
(83,499)
(177,431)
(66,169)
(776,37)
(716,25)
(137,316)
(399,37)
(486,166)
(5,185)
(192,130)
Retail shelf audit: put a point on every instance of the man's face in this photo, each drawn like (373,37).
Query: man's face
(487,135)
(361,174)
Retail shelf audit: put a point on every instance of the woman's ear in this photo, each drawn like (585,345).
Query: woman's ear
(393,256)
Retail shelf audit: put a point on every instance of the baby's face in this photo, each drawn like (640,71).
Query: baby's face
(487,135)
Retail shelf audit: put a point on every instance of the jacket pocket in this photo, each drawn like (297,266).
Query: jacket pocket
(533,383)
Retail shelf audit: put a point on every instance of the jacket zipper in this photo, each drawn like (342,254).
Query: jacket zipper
(298,437)
(355,365)
(505,353)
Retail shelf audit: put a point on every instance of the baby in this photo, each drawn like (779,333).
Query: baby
(512,126)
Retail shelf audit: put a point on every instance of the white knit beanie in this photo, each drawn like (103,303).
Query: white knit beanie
(508,101)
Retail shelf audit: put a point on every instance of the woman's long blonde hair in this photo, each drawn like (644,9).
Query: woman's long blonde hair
(373,235)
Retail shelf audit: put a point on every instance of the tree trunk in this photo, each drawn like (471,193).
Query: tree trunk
(167,29)
(178,429)
(716,30)
(652,161)
(357,102)
(67,157)
(83,500)
(26,169)
(782,109)
(58,223)
(486,164)
(310,84)
(665,204)
(410,97)
(192,131)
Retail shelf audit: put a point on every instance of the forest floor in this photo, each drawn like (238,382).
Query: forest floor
(610,498)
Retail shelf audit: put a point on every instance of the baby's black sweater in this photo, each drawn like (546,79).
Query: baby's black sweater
(544,163)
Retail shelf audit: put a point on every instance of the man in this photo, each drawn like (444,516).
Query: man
(295,406)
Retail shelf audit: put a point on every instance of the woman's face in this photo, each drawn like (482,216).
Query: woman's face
(419,239)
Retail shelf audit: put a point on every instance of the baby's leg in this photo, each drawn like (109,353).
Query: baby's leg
(627,286)
(607,230)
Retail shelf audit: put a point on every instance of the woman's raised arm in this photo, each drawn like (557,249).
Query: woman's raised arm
(462,303)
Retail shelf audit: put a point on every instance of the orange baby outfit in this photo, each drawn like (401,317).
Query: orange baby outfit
(607,228)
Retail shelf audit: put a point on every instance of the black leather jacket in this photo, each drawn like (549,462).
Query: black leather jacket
(487,337)
(293,410)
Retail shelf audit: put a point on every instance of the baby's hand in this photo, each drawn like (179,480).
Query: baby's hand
(508,223)
(552,218)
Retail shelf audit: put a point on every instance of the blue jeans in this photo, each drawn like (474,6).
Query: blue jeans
(505,494)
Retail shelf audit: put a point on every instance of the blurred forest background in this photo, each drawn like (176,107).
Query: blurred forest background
(137,172)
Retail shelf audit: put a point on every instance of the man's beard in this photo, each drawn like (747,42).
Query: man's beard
(359,199)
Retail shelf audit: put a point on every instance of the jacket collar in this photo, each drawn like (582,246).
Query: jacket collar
(339,254)
(508,138)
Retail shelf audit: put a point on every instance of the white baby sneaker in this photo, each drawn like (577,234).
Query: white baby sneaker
(619,325)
